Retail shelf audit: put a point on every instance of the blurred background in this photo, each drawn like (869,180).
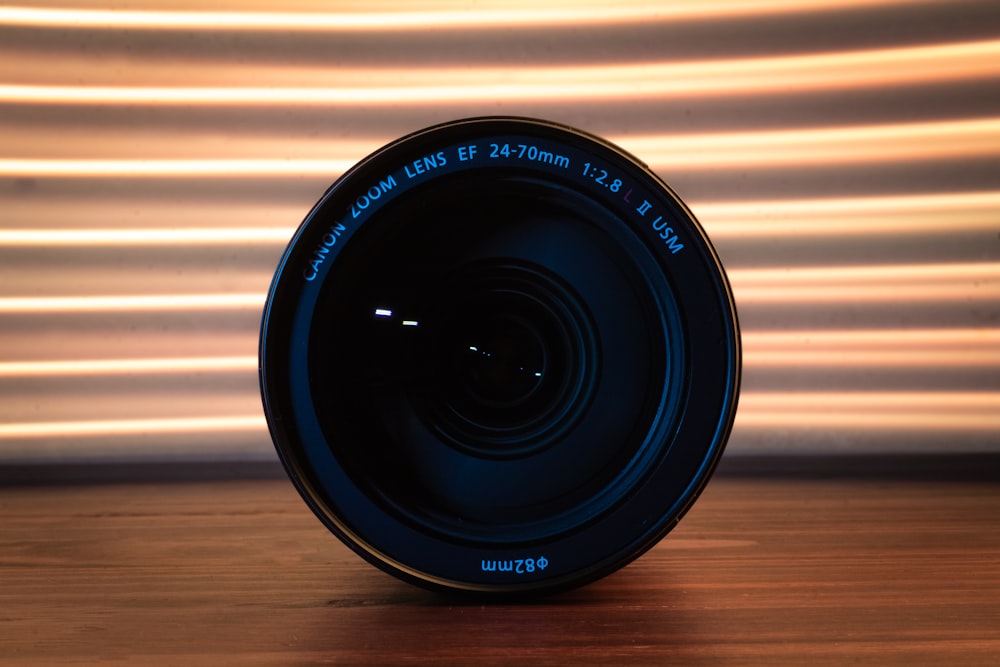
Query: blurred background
(155,157)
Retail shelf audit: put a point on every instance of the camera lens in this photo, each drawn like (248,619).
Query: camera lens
(499,356)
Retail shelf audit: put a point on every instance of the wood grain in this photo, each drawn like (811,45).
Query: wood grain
(762,571)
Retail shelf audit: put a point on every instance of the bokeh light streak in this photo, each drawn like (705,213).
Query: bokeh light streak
(946,411)
(129,165)
(118,427)
(486,15)
(827,146)
(873,348)
(864,349)
(868,284)
(941,411)
(924,214)
(897,66)
(132,303)
(97,367)
(199,236)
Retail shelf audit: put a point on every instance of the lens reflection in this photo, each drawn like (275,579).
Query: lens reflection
(513,359)
(504,363)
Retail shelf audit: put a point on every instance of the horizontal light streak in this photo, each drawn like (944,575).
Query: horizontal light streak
(953,411)
(500,15)
(921,293)
(803,73)
(935,214)
(237,205)
(824,146)
(173,168)
(911,349)
(131,237)
(899,347)
(913,283)
(133,427)
(923,214)
(872,411)
(132,303)
(100,367)
(868,284)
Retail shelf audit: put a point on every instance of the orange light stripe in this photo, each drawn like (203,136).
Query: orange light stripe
(851,360)
(821,348)
(825,146)
(908,421)
(506,14)
(173,168)
(128,237)
(868,273)
(863,284)
(897,66)
(137,303)
(870,410)
(112,427)
(879,337)
(910,283)
(168,365)
(832,411)
(867,401)
(926,293)
(887,348)
(938,213)
(870,144)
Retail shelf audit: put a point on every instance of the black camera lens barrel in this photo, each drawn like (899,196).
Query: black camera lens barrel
(499,356)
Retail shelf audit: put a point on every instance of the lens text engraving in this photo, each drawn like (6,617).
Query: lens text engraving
(518,566)
(528,152)
(322,249)
(670,239)
(374,193)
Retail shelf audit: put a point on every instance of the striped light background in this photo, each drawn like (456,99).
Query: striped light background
(844,155)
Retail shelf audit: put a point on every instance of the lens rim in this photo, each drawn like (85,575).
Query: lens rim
(697,439)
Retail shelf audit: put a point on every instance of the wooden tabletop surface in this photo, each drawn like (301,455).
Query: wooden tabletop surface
(763,570)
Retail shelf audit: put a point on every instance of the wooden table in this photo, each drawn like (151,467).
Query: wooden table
(764,570)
